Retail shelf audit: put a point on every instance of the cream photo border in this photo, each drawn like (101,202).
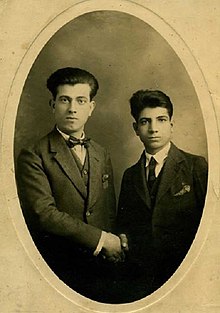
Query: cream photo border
(32,279)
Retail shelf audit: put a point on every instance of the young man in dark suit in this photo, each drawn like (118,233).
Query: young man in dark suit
(65,186)
(161,199)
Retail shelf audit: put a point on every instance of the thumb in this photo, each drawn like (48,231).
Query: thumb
(124,241)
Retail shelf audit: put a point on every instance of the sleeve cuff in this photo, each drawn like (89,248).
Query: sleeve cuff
(100,243)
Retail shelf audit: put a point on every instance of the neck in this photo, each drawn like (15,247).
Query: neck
(79,135)
(154,151)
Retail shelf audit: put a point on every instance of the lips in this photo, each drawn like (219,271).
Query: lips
(71,118)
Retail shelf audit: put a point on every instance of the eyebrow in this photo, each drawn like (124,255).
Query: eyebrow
(162,116)
(84,97)
(157,117)
(64,96)
(69,98)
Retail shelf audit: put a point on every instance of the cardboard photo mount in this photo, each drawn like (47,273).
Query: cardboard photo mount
(31,274)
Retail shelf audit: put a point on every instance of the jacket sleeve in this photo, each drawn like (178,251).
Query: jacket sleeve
(200,176)
(39,207)
(111,193)
(123,220)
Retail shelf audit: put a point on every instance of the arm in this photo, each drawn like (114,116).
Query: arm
(39,205)
(111,198)
(200,174)
(121,224)
(122,204)
(109,244)
(41,212)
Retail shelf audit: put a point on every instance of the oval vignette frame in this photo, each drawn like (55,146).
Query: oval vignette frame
(192,68)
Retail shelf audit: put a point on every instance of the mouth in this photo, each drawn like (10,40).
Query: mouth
(153,138)
(71,118)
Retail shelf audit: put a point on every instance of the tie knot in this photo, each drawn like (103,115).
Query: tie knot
(73,141)
(152,162)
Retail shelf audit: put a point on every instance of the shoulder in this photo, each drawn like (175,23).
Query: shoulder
(98,149)
(97,146)
(197,162)
(136,167)
(36,148)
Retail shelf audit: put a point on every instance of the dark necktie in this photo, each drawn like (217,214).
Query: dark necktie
(151,174)
(72,142)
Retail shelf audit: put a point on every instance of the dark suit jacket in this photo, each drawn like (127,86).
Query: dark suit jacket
(161,234)
(64,221)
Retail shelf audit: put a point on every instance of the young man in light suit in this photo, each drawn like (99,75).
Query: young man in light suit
(65,186)
(161,199)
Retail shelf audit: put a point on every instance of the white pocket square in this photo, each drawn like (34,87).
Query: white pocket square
(185,189)
(105,178)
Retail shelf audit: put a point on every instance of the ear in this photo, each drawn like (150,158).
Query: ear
(92,107)
(52,104)
(171,124)
(135,126)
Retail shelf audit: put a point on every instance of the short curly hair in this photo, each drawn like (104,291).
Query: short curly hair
(149,99)
(72,76)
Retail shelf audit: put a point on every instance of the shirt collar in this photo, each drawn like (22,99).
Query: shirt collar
(160,156)
(66,137)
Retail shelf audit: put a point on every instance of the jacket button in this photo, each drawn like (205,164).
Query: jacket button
(85,172)
(88,213)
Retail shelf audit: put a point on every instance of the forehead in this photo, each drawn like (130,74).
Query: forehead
(153,112)
(74,90)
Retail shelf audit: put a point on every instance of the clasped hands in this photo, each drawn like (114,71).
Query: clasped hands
(115,247)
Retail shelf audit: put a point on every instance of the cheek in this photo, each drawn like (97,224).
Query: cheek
(143,133)
(143,129)
(85,113)
(167,132)
(58,114)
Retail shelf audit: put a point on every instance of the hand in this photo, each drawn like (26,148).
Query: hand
(124,242)
(112,250)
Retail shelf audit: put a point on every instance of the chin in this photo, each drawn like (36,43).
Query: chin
(71,128)
(65,130)
(153,149)
(154,146)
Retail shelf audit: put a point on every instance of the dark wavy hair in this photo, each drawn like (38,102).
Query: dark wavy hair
(149,99)
(72,76)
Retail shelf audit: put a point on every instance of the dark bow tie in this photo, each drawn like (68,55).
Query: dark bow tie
(72,142)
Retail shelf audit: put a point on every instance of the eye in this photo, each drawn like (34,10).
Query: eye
(82,100)
(162,119)
(143,122)
(64,100)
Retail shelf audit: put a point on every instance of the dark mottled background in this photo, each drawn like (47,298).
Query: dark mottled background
(125,54)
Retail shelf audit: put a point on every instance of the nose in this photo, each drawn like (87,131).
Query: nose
(72,107)
(153,126)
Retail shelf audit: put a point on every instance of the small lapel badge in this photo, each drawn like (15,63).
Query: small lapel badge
(185,189)
(105,178)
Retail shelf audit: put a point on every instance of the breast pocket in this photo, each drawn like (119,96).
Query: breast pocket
(184,203)
(105,181)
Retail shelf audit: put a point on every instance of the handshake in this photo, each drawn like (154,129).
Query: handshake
(115,247)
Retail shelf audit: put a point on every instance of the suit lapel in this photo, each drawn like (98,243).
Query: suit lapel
(140,181)
(64,157)
(171,168)
(94,175)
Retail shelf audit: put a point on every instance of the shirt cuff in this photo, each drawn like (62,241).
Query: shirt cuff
(100,243)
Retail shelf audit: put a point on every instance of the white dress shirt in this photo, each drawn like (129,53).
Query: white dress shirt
(79,150)
(160,158)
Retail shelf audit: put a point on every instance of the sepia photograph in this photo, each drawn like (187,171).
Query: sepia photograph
(112,159)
